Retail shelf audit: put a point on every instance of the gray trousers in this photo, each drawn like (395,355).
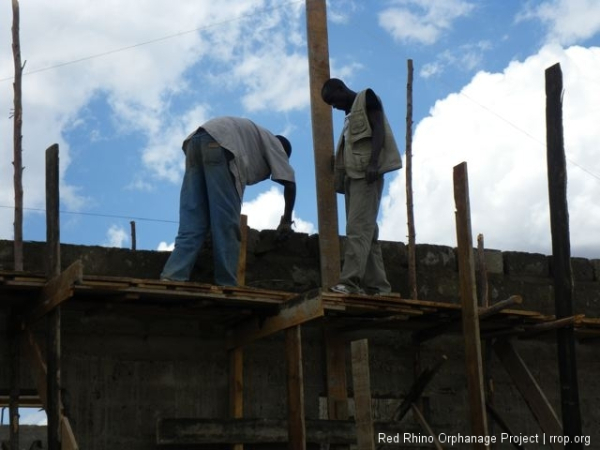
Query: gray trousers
(363,262)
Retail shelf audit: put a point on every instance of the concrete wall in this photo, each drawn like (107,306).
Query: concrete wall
(122,370)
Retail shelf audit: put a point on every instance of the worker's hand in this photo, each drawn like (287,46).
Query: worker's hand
(371,173)
(284,230)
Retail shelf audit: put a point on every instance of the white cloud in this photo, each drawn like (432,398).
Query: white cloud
(497,125)
(116,236)
(422,21)
(466,57)
(165,247)
(567,21)
(264,212)
(103,46)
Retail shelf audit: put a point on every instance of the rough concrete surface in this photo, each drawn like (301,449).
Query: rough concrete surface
(122,370)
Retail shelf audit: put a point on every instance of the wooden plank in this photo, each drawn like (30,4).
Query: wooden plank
(529,388)
(57,290)
(322,133)
(294,312)
(236,386)
(426,427)
(295,389)
(33,353)
(241,269)
(337,389)
(14,363)
(363,412)
(495,415)
(454,323)
(53,267)
(190,432)
(561,254)
(68,437)
(466,268)
(417,388)
(38,365)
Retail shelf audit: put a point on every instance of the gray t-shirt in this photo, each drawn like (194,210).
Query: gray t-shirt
(257,153)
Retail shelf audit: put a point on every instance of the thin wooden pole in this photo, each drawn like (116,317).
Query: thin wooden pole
(322,131)
(295,383)
(561,255)
(53,409)
(133,236)
(17,138)
(15,379)
(412,259)
(466,269)
(236,355)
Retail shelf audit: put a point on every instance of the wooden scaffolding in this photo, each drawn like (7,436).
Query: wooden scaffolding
(254,314)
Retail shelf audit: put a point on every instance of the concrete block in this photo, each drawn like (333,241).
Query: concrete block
(526,264)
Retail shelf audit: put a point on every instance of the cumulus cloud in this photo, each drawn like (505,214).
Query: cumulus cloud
(497,125)
(265,211)
(422,21)
(567,21)
(80,53)
(116,236)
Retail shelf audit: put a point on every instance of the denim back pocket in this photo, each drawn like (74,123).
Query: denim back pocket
(212,153)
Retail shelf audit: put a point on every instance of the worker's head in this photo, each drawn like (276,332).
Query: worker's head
(285,144)
(335,93)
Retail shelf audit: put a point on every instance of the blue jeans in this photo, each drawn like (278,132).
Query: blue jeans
(209,201)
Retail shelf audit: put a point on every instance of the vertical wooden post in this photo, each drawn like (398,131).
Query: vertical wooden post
(236,355)
(17,139)
(470,316)
(236,387)
(561,254)
(363,412)
(322,131)
(133,236)
(295,385)
(412,259)
(15,379)
(53,269)
(337,389)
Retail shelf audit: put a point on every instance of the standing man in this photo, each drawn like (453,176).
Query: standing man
(221,157)
(365,151)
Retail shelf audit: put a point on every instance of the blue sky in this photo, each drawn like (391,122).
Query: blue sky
(120,84)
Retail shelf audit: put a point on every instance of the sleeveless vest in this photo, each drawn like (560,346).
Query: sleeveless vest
(354,149)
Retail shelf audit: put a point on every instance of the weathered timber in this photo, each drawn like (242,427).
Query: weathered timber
(296,311)
(241,269)
(423,422)
(14,338)
(410,216)
(57,290)
(363,412)
(529,388)
(17,140)
(337,390)
(454,324)
(468,294)
(53,266)
(497,417)
(322,132)
(34,355)
(185,431)
(295,389)
(417,388)
(561,255)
